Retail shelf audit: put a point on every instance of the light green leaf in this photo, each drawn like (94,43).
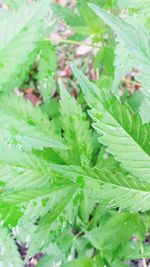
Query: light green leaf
(76,130)
(9,214)
(133,251)
(44,233)
(39,207)
(123,191)
(19,33)
(136,4)
(85,262)
(121,131)
(20,170)
(26,126)
(9,255)
(136,40)
(119,229)
(144,110)
(47,67)
(123,65)
(15,3)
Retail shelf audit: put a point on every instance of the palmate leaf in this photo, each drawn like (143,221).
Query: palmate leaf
(19,33)
(29,205)
(78,138)
(136,40)
(28,183)
(44,232)
(122,132)
(119,228)
(37,206)
(26,224)
(124,191)
(92,25)
(83,22)
(76,130)
(137,43)
(24,126)
(9,255)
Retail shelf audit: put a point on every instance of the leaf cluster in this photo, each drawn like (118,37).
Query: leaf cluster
(74,183)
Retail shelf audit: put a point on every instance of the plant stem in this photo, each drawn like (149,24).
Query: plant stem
(144,260)
(78,43)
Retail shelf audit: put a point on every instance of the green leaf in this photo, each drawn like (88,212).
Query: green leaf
(121,190)
(44,233)
(136,40)
(123,65)
(133,251)
(22,197)
(107,161)
(76,130)
(19,33)
(85,262)
(144,109)
(121,131)
(78,139)
(20,170)
(83,22)
(119,229)
(26,127)
(136,4)
(38,207)
(118,264)
(9,255)
(104,59)
(47,67)
(9,214)
(70,17)
(15,3)
(94,26)
(46,261)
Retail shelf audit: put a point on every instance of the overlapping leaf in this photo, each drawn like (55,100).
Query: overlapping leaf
(76,130)
(47,67)
(124,191)
(44,232)
(9,255)
(129,224)
(24,29)
(136,40)
(122,132)
(24,126)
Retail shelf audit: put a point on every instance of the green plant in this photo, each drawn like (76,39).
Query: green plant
(74,184)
